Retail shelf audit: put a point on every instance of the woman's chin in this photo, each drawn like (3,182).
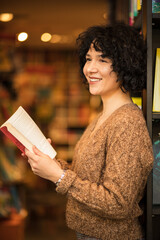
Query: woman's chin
(93,92)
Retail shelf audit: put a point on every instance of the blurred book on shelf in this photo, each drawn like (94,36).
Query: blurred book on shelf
(156,167)
(135,7)
(156,92)
(5,200)
(137,101)
(9,172)
(155,6)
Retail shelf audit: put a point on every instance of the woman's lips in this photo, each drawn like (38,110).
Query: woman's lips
(94,80)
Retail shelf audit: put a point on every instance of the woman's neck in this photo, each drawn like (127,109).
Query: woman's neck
(110,104)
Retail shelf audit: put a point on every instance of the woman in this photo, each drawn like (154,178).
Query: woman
(114,156)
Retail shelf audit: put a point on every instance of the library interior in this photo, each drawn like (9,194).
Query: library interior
(39,70)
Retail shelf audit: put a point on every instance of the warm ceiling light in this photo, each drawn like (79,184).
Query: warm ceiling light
(22,36)
(6,17)
(56,38)
(46,37)
(67,39)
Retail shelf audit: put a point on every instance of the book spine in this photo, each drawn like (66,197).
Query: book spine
(13,139)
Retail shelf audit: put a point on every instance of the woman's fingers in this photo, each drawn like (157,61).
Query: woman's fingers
(23,154)
(42,165)
(37,151)
(30,155)
(49,140)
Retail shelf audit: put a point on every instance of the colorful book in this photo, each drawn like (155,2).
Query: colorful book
(155,6)
(156,94)
(24,133)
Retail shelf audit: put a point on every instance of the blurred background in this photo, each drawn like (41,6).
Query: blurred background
(39,71)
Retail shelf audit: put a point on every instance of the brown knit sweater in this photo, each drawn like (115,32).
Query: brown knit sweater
(108,176)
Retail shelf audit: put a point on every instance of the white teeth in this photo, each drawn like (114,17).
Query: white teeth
(94,80)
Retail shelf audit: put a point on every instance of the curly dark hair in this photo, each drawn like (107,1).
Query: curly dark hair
(124,45)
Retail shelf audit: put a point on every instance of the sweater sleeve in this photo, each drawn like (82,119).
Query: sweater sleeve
(129,160)
(64,164)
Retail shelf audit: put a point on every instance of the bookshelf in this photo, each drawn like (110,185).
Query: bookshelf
(156,115)
(149,23)
(156,15)
(153,42)
(12,210)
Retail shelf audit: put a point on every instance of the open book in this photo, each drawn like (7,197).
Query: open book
(24,133)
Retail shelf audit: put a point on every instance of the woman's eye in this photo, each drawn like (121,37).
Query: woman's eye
(88,59)
(103,60)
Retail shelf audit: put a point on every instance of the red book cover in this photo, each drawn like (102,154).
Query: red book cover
(24,133)
(13,139)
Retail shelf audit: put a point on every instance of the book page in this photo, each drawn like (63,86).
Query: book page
(25,125)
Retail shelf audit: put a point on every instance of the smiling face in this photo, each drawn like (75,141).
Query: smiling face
(99,74)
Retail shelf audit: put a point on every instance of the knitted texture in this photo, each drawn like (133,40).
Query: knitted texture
(108,176)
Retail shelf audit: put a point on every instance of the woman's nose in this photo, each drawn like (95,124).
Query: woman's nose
(92,67)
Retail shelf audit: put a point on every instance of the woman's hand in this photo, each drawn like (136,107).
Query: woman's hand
(43,166)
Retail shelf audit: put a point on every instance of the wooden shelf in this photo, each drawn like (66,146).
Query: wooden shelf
(156,210)
(156,115)
(156,15)
(156,20)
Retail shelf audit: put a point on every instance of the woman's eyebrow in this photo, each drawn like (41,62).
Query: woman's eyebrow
(103,55)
